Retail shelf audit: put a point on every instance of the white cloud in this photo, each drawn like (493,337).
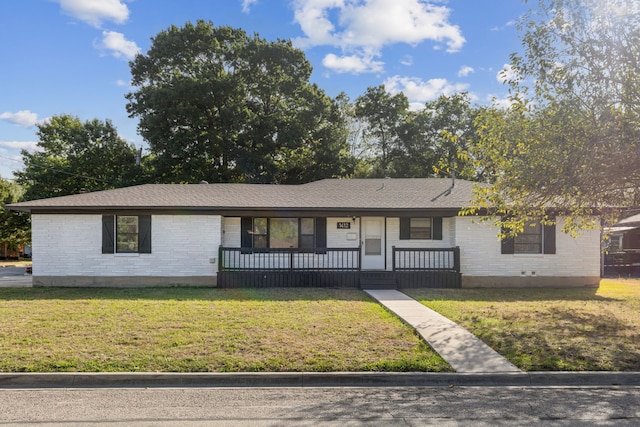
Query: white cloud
(500,103)
(246,5)
(375,23)
(507,73)
(465,70)
(122,83)
(364,27)
(118,45)
(505,26)
(24,118)
(20,145)
(95,12)
(419,91)
(407,60)
(351,64)
(312,16)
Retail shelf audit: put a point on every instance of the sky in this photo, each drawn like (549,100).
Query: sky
(72,56)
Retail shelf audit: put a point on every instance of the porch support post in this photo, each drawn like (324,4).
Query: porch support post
(456,259)
(393,258)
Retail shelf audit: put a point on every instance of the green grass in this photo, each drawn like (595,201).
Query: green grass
(17,263)
(204,330)
(582,329)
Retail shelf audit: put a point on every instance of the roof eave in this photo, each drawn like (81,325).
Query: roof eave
(240,211)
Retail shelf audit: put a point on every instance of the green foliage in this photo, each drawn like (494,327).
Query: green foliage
(434,141)
(571,138)
(218,105)
(437,139)
(75,157)
(382,115)
(15,227)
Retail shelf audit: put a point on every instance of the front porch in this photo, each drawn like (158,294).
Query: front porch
(622,264)
(337,267)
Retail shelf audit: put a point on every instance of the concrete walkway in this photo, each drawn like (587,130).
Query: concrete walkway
(459,347)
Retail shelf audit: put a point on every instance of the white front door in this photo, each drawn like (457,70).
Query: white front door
(373,244)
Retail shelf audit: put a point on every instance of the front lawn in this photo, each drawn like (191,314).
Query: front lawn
(198,330)
(550,329)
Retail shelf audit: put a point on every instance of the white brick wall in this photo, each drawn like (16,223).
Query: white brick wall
(343,238)
(71,245)
(480,253)
(231,232)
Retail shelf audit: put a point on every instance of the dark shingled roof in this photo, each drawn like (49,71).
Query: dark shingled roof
(327,194)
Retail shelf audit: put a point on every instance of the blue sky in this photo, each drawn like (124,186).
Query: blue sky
(71,56)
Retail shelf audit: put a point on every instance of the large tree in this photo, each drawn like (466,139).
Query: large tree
(436,140)
(381,114)
(218,105)
(571,138)
(15,227)
(75,156)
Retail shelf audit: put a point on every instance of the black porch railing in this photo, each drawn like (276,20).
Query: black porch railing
(276,267)
(281,267)
(427,267)
(263,259)
(426,259)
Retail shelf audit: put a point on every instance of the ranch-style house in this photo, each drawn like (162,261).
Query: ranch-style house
(370,233)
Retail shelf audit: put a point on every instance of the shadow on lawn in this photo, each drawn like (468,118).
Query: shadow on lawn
(302,293)
(185,293)
(510,294)
(581,340)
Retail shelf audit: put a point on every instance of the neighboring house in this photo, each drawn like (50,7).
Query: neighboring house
(6,252)
(334,232)
(12,253)
(622,257)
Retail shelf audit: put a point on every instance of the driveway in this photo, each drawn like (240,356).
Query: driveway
(14,277)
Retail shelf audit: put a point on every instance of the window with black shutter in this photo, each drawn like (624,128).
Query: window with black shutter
(260,232)
(421,228)
(535,239)
(126,234)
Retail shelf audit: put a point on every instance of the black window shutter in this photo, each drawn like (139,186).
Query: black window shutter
(508,245)
(246,228)
(321,232)
(108,228)
(437,228)
(405,228)
(549,236)
(144,234)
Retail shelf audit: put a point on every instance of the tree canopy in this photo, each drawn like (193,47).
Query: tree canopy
(382,115)
(436,140)
(15,227)
(75,156)
(400,143)
(218,105)
(571,138)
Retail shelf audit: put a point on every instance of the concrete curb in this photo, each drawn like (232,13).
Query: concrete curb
(317,379)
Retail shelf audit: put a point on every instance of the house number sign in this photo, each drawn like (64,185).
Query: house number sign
(344,226)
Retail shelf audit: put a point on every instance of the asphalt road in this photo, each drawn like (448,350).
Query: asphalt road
(14,277)
(343,406)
